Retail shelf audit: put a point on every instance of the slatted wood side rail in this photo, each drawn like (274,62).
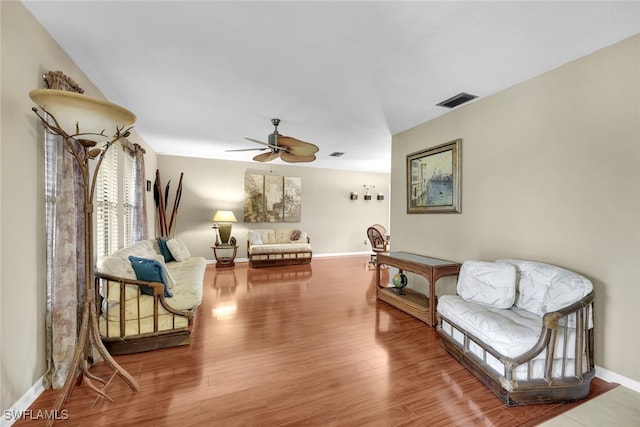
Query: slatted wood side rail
(139,341)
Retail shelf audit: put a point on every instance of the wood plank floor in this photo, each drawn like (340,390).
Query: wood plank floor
(299,345)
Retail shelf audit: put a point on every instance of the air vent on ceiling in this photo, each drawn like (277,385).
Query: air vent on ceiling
(456,100)
(336,154)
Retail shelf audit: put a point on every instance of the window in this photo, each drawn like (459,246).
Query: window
(114,201)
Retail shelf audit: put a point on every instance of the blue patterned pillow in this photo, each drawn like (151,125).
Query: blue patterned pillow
(150,270)
(164,249)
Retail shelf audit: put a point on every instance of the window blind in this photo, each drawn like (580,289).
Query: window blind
(106,203)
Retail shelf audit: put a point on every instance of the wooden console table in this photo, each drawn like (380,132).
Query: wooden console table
(414,303)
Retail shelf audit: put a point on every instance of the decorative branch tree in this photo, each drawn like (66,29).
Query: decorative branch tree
(75,109)
(166,229)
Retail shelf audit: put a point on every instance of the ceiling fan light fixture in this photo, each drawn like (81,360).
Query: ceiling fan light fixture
(288,149)
(456,100)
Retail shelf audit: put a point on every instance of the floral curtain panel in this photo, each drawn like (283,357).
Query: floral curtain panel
(65,248)
(139,227)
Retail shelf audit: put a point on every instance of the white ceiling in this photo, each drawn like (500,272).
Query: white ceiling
(345,76)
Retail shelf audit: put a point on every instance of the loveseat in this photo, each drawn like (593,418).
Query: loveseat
(149,293)
(281,246)
(523,328)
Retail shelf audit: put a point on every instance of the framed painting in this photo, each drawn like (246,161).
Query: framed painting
(433,179)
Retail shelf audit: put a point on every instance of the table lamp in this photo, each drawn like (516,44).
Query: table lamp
(224,220)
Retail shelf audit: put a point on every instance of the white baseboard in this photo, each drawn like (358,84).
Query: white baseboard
(341,254)
(612,377)
(11,415)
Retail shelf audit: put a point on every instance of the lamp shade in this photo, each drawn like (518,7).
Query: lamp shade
(92,115)
(224,216)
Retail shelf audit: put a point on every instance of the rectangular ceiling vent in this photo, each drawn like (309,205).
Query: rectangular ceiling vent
(454,101)
(336,154)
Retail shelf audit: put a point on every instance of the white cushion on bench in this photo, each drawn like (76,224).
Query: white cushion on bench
(488,283)
(543,288)
(280,248)
(510,332)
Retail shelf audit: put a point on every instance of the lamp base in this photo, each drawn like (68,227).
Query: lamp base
(225,233)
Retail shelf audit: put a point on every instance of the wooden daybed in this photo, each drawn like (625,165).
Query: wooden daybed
(267,247)
(525,329)
(131,321)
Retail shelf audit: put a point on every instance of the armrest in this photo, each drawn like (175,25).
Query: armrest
(550,323)
(126,281)
(158,291)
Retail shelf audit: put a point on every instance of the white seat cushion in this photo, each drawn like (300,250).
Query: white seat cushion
(511,332)
(279,248)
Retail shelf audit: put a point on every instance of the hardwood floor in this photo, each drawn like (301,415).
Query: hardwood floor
(299,345)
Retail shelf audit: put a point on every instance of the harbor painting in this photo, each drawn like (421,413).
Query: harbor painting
(433,179)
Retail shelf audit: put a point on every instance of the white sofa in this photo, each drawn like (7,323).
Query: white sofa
(281,246)
(132,321)
(524,328)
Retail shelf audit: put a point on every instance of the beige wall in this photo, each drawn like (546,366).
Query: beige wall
(334,223)
(551,172)
(27,52)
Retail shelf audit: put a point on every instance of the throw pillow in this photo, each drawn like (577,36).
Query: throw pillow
(296,234)
(254,238)
(150,270)
(170,280)
(487,283)
(178,249)
(164,250)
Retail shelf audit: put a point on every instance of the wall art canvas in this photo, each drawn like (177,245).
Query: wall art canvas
(433,179)
(292,199)
(272,198)
(254,198)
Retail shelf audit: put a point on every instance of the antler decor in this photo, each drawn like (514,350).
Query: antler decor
(60,111)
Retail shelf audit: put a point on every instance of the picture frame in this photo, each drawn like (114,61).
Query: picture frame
(434,179)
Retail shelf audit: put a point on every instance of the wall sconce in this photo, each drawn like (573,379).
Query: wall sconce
(380,196)
(367,194)
(353,196)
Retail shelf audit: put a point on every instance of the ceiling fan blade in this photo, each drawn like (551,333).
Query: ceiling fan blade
(292,158)
(266,157)
(247,149)
(263,143)
(297,147)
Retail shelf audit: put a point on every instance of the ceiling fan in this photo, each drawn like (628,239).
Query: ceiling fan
(289,149)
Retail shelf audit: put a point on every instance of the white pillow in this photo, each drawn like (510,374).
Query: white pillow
(178,249)
(254,238)
(487,283)
(116,267)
